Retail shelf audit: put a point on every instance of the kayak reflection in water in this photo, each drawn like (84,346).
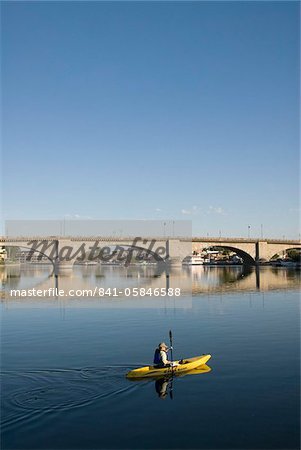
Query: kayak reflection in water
(164,385)
(161,386)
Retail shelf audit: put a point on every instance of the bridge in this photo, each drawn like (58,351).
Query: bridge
(64,251)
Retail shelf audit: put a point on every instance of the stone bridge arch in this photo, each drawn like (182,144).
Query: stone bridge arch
(268,250)
(282,252)
(127,247)
(246,257)
(26,247)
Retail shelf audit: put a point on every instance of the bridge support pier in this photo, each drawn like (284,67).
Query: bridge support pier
(176,251)
(261,248)
(62,266)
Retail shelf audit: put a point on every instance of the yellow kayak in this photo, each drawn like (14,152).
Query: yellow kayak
(197,371)
(182,366)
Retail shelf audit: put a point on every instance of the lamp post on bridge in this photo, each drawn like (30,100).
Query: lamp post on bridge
(249,228)
(64,225)
(261,231)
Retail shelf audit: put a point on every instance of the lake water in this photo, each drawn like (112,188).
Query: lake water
(64,361)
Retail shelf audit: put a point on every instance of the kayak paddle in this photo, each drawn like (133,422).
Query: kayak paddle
(170,340)
(171,386)
(171,389)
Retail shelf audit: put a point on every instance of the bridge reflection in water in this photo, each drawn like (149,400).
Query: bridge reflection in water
(192,281)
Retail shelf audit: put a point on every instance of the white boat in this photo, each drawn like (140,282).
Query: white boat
(87,263)
(194,260)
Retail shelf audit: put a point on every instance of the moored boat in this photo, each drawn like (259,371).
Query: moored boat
(194,260)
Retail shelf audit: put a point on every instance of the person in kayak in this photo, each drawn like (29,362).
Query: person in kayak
(161,356)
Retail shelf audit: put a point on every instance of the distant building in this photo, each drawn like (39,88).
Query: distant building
(36,258)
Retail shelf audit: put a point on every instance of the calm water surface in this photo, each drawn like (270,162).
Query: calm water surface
(64,361)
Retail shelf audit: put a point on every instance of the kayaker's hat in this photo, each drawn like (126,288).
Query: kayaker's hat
(162,345)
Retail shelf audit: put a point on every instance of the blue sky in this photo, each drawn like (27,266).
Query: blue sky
(148,110)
